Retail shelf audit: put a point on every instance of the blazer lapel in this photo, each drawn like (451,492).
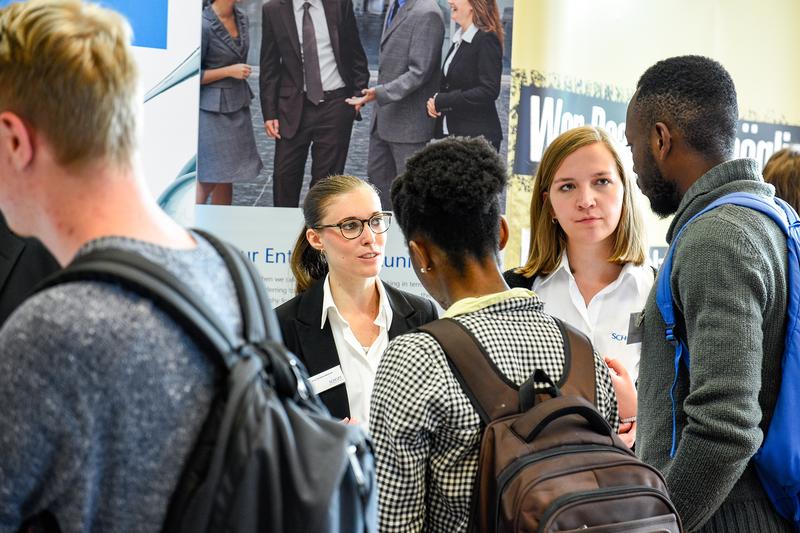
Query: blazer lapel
(221,31)
(244,34)
(463,49)
(317,343)
(402,312)
(399,17)
(287,16)
(450,51)
(332,19)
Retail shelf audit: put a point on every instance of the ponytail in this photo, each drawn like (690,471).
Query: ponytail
(307,263)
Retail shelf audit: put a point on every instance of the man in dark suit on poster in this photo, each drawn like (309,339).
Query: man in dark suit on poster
(311,61)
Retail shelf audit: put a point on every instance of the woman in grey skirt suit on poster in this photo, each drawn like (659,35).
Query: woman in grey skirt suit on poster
(227,148)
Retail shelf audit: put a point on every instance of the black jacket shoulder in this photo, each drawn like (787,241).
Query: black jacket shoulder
(517,280)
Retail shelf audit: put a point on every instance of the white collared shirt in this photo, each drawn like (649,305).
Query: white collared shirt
(611,317)
(458,37)
(359,363)
(329,72)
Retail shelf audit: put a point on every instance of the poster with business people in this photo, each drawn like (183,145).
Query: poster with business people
(277,114)
(578,62)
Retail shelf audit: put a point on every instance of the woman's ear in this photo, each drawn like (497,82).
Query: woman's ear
(314,239)
(504,232)
(420,255)
(547,205)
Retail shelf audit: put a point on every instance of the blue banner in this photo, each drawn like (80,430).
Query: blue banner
(148,18)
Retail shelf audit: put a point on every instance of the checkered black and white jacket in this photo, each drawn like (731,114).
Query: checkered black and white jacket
(425,430)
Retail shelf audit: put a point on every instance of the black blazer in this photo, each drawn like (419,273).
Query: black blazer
(281,74)
(299,320)
(23,264)
(468,92)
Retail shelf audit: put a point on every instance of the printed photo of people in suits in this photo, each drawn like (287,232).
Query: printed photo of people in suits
(292,91)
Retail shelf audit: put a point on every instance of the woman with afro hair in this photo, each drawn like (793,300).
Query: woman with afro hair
(425,430)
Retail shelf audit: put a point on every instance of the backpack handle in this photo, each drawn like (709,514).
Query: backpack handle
(531,424)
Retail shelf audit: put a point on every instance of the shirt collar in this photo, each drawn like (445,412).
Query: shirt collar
(563,269)
(467,35)
(472,304)
(298,4)
(383,319)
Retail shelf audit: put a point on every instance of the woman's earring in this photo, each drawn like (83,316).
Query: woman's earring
(554,220)
(422,270)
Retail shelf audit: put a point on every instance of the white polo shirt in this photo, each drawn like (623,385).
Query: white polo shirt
(359,363)
(612,318)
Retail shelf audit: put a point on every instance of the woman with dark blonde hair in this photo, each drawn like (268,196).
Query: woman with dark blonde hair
(465,103)
(343,316)
(587,252)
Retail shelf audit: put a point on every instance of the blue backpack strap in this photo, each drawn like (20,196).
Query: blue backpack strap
(779,211)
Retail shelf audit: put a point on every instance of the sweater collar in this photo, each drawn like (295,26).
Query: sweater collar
(722,179)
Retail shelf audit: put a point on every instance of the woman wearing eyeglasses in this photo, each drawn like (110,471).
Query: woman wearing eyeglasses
(343,316)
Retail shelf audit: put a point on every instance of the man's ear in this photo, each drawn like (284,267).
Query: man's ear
(504,232)
(420,255)
(662,141)
(16,140)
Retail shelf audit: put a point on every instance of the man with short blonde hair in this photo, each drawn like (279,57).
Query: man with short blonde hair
(102,394)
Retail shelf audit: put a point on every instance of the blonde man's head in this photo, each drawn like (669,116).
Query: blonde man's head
(67,70)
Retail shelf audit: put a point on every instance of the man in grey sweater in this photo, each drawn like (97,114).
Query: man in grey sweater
(102,395)
(729,286)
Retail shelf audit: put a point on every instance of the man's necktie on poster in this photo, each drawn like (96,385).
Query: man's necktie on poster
(311,59)
(392,12)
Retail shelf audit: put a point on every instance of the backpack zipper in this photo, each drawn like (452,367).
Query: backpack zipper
(567,499)
(513,469)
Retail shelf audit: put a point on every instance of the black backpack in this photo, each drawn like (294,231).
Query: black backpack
(269,457)
(549,462)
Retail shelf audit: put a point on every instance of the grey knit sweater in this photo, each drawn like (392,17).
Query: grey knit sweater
(102,396)
(729,282)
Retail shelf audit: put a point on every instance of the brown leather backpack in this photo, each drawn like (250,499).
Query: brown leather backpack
(549,461)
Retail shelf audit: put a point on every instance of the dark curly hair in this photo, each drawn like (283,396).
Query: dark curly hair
(449,193)
(696,95)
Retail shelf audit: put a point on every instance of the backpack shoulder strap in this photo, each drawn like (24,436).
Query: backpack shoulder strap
(776,209)
(490,392)
(153,281)
(260,323)
(578,378)
(258,318)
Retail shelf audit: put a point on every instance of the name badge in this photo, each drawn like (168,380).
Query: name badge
(635,328)
(333,377)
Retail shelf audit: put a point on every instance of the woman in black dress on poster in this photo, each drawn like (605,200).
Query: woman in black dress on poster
(465,103)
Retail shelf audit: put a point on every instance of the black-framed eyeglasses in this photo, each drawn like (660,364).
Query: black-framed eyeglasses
(352,228)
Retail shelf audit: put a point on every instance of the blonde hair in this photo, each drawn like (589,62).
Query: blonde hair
(783,171)
(307,263)
(66,68)
(548,240)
